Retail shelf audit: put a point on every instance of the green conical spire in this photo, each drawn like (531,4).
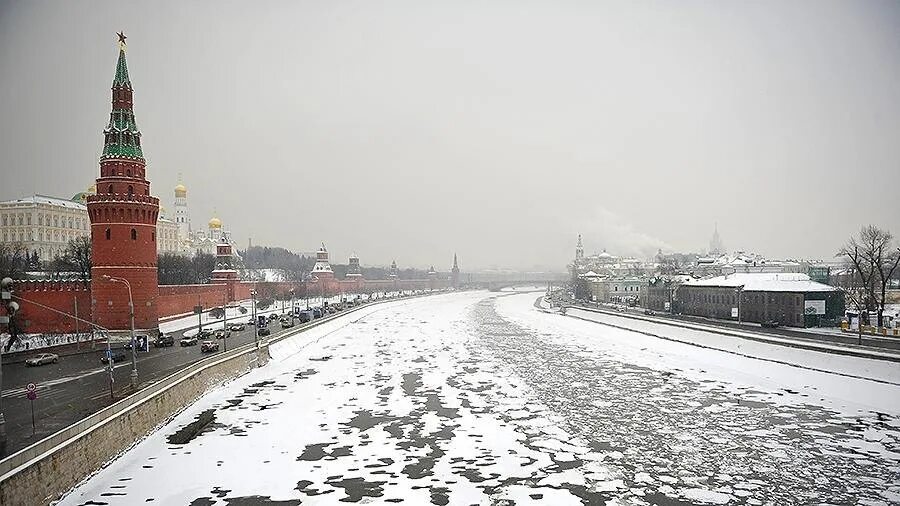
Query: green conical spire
(122,137)
(121,78)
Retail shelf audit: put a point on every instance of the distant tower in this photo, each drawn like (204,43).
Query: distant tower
(322,269)
(123,218)
(454,273)
(182,218)
(579,251)
(393,272)
(716,247)
(224,271)
(353,270)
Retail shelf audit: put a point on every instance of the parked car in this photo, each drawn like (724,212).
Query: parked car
(287,323)
(189,341)
(770,324)
(222,334)
(263,331)
(164,340)
(117,356)
(237,327)
(272,316)
(649,312)
(43,358)
(209,346)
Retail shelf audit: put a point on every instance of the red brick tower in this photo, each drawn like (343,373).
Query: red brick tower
(123,219)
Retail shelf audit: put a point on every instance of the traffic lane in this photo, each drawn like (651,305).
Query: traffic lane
(59,405)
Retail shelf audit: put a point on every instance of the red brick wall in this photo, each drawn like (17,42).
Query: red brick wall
(180,299)
(59,295)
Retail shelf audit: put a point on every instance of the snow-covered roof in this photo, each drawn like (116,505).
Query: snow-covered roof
(44,199)
(591,274)
(765,282)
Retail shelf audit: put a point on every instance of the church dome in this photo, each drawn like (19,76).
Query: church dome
(180,190)
(215,223)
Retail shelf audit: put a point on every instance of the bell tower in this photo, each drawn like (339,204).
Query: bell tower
(123,218)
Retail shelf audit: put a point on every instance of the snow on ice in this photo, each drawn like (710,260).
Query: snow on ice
(479,398)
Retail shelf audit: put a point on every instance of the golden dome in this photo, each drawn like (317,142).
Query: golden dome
(180,190)
(215,223)
(91,190)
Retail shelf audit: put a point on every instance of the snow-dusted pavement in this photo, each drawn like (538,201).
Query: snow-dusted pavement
(477,398)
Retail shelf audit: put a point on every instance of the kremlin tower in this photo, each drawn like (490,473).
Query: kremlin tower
(123,218)
(454,273)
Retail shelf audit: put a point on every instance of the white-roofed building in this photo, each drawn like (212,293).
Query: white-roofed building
(43,224)
(791,299)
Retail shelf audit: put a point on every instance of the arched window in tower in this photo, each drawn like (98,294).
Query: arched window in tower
(108,234)
(128,172)
(130,190)
(133,235)
(153,236)
(110,189)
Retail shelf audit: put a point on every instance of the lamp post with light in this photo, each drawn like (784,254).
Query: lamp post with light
(134,371)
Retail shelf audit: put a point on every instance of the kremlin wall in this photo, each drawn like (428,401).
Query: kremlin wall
(123,225)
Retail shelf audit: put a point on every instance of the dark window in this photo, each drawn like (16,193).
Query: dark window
(130,190)
(153,236)
(133,235)
(108,234)
(110,189)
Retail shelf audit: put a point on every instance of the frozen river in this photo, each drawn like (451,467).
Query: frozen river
(479,398)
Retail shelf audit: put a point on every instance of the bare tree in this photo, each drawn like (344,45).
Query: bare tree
(13,261)
(874,258)
(78,253)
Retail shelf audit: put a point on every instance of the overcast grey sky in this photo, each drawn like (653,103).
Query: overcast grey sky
(498,130)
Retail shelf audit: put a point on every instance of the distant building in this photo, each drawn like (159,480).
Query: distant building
(43,224)
(790,299)
(454,273)
(716,247)
(629,291)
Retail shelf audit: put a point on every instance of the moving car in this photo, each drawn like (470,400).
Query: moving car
(251,321)
(317,312)
(770,324)
(305,316)
(164,340)
(117,356)
(203,334)
(222,334)
(272,316)
(209,346)
(237,327)
(43,358)
(263,331)
(189,341)
(286,324)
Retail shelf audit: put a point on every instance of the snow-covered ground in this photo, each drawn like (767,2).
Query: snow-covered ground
(478,398)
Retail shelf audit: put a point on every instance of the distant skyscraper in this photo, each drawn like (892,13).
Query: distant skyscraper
(716,247)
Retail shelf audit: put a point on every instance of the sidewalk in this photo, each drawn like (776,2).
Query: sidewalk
(807,344)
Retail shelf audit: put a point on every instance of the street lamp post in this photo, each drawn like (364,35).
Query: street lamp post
(740,290)
(225,322)
(255,321)
(134,371)
(292,306)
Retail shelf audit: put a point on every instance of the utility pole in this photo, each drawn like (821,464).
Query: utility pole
(134,371)
(255,321)
(225,322)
